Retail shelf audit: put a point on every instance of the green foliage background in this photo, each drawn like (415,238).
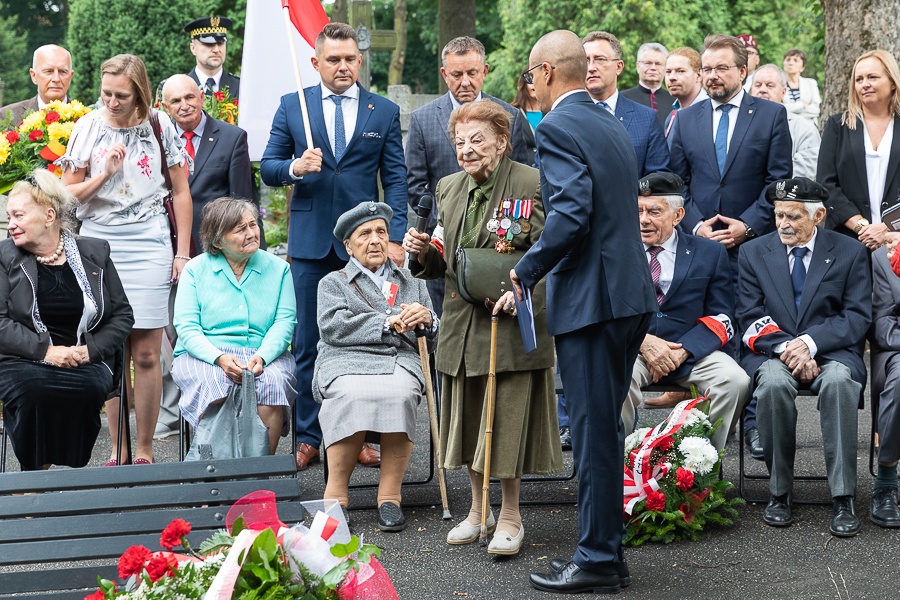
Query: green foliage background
(13,54)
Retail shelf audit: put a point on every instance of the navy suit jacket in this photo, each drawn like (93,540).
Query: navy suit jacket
(701,288)
(759,153)
(646,134)
(221,168)
(591,245)
(835,307)
(375,150)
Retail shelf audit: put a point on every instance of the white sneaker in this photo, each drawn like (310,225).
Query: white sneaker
(466,533)
(505,544)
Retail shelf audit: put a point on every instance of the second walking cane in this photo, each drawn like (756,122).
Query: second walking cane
(489,433)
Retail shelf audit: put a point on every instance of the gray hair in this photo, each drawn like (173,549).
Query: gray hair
(674,201)
(812,207)
(219,217)
(461,46)
(782,76)
(651,46)
(47,191)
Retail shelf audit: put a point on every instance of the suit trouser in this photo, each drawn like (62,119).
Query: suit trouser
(889,414)
(838,402)
(728,385)
(307,274)
(595,365)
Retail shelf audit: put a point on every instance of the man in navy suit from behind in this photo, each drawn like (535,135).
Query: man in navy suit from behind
(604,66)
(338,173)
(696,310)
(599,297)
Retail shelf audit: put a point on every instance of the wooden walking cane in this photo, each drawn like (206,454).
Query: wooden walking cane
(432,416)
(489,433)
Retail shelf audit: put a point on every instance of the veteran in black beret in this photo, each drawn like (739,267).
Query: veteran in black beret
(690,335)
(804,307)
(209,37)
(368,374)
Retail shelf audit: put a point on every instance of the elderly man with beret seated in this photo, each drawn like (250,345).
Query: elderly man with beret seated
(692,277)
(804,307)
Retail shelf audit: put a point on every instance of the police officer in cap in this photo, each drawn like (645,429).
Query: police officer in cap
(208,38)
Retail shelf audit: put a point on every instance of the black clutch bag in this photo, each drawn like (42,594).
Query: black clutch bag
(483,273)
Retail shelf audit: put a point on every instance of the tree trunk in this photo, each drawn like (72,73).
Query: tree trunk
(455,18)
(339,11)
(851,28)
(398,56)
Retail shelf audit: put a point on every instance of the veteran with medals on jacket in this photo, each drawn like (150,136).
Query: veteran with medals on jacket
(493,203)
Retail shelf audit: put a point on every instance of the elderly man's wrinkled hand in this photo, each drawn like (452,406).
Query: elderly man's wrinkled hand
(232,366)
(659,356)
(795,354)
(806,372)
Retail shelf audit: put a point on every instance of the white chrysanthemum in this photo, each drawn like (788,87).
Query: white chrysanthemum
(699,455)
(634,439)
(696,416)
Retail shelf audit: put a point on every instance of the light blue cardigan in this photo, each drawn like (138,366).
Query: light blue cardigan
(213,310)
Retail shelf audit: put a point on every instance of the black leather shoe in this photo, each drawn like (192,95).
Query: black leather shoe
(558,564)
(778,511)
(885,512)
(751,441)
(844,523)
(574,580)
(390,518)
(565,438)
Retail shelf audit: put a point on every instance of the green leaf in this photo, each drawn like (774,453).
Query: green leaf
(345,550)
(238,526)
(219,541)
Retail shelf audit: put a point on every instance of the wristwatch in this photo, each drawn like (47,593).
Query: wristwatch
(860,224)
(749,233)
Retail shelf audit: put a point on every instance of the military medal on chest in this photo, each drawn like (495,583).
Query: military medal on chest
(504,223)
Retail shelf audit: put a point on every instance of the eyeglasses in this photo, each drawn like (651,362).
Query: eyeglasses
(650,63)
(601,60)
(30,180)
(528,78)
(720,70)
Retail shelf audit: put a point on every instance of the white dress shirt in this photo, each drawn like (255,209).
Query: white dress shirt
(666,260)
(811,244)
(876,169)
(732,115)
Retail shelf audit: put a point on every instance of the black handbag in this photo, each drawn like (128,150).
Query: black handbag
(483,273)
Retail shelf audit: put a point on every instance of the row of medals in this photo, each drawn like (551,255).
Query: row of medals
(510,219)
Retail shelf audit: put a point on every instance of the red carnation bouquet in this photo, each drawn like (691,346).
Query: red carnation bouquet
(672,485)
(258,556)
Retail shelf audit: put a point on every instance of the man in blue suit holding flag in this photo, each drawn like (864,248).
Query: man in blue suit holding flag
(356,135)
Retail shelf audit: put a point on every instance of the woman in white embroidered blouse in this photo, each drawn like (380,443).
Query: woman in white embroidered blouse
(113,166)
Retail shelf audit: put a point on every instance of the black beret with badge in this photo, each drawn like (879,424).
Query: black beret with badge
(209,30)
(661,184)
(799,189)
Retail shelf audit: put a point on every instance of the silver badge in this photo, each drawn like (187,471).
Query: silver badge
(372,207)
(516,228)
(493,225)
(505,223)
(779,190)
(644,187)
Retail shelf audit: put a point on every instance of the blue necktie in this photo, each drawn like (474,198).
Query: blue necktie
(798,273)
(722,138)
(606,106)
(340,136)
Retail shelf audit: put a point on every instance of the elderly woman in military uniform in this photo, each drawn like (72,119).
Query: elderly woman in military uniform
(368,373)
(493,203)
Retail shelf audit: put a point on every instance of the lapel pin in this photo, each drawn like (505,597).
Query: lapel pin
(211,139)
(687,251)
(371,107)
(827,261)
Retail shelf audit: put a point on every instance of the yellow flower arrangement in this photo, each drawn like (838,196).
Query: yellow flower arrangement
(4,150)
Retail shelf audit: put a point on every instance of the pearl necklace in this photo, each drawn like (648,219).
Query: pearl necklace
(46,260)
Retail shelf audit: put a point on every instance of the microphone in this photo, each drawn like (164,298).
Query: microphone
(423,211)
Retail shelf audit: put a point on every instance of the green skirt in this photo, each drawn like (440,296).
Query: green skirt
(525,437)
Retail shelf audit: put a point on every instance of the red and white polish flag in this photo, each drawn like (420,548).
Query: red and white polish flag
(267,71)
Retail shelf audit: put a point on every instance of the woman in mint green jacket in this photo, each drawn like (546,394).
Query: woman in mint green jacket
(235,310)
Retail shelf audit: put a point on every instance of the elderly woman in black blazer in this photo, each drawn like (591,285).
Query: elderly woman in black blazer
(63,319)
(860,152)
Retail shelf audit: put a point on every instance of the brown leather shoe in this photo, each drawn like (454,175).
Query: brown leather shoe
(369,456)
(305,455)
(667,400)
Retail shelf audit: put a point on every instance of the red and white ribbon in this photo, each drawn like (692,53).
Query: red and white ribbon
(644,477)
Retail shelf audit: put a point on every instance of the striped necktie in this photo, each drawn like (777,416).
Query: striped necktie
(656,271)
(474,217)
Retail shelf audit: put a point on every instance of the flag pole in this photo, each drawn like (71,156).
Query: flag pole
(300,95)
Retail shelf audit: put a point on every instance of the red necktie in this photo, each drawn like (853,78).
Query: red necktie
(188,144)
(656,271)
